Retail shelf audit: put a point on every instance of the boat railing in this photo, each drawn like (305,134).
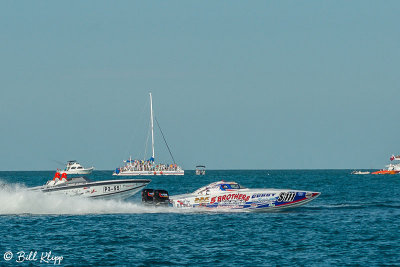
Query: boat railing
(138,165)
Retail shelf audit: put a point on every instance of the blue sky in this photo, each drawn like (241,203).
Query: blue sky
(236,84)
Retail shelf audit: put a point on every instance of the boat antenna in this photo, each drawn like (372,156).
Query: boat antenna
(152,126)
(165,140)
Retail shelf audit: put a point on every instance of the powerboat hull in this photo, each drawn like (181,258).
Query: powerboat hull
(222,195)
(261,200)
(110,189)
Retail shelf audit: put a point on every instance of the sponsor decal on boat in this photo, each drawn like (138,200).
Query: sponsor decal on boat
(202,200)
(229,197)
(259,195)
(183,203)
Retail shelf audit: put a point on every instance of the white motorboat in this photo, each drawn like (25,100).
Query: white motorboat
(83,187)
(360,172)
(231,195)
(73,167)
(200,170)
(134,167)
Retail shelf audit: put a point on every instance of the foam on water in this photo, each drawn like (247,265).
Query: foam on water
(16,199)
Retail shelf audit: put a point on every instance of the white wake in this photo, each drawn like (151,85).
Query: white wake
(16,199)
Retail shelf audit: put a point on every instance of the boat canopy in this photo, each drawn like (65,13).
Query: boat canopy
(219,186)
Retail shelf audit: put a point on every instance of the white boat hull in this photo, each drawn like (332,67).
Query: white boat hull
(114,189)
(360,173)
(246,199)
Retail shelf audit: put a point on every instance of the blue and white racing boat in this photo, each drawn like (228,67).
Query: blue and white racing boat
(231,195)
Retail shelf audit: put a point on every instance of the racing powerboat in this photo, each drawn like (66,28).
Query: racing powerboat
(73,167)
(231,195)
(83,187)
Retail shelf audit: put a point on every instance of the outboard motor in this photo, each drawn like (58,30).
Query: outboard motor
(147,196)
(155,197)
(161,197)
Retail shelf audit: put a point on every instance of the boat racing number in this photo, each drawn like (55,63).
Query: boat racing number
(111,188)
(286,197)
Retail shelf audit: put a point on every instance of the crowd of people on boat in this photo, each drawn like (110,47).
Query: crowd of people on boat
(148,165)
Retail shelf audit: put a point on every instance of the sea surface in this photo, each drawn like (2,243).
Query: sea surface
(355,221)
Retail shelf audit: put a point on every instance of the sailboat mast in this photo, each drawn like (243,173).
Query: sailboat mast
(152,126)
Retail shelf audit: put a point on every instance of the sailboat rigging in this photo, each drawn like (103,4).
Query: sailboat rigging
(135,167)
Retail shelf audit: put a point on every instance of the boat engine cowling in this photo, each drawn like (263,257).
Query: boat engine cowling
(147,196)
(161,197)
(155,197)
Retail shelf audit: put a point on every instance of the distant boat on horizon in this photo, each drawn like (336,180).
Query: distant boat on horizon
(360,172)
(135,167)
(391,168)
(200,170)
(73,167)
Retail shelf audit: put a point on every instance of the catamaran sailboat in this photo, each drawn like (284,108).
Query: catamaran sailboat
(135,167)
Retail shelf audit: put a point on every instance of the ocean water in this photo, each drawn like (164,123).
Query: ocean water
(355,221)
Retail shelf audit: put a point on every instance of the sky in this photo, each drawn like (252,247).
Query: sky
(235,84)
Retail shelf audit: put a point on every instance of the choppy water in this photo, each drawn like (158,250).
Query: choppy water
(356,220)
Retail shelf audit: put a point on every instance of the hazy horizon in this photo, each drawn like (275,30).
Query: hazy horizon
(236,85)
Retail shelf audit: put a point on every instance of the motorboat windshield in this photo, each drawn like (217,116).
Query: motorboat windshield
(79,180)
(218,186)
(68,181)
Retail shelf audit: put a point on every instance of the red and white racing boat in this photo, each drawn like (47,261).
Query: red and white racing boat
(231,195)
